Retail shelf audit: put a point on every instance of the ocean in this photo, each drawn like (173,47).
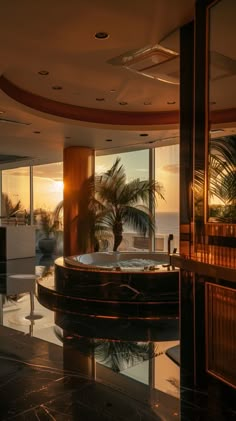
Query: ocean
(167,223)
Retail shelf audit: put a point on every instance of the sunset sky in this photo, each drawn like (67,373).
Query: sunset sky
(48,185)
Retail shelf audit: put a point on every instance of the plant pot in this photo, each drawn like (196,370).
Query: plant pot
(47,246)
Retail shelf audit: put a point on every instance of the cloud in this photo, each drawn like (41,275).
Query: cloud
(172,168)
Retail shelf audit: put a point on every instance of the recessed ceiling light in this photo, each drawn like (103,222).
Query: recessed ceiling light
(123,103)
(147,103)
(100,99)
(171,102)
(101,35)
(57,87)
(43,72)
(37,132)
(143,134)
(108,140)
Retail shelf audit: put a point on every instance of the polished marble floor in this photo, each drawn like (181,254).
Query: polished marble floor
(55,366)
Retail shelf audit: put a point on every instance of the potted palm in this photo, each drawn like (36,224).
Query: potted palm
(117,203)
(48,227)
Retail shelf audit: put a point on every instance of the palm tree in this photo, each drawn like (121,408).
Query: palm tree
(8,208)
(117,202)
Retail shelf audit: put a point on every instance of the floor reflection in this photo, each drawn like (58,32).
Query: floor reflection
(133,375)
(70,367)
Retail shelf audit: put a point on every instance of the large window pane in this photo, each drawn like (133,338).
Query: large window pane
(15,204)
(48,185)
(48,209)
(167,212)
(136,165)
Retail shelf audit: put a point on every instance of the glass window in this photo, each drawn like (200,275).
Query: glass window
(167,211)
(48,207)
(48,186)
(15,204)
(136,165)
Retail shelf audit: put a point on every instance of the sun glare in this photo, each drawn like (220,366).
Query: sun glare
(58,186)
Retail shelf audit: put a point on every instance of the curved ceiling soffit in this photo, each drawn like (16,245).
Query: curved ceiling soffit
(86,114)
(102,116)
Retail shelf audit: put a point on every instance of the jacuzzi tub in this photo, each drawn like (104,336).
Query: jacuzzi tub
(104,285)
(123,261)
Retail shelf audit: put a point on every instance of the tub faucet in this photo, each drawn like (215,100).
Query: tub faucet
(170,238)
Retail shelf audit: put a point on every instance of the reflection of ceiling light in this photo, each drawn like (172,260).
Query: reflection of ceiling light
(171,102)
(171,82)
(100,99)
(57,87)
(43,72)
(2,112)
(123,103)
(112,91)
(216,130)
(147,103)
(101,35)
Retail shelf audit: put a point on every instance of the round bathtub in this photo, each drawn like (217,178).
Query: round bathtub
(105,285)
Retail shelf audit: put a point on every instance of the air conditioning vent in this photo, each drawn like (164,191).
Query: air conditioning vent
(4,159)
(6,120)
(155,62)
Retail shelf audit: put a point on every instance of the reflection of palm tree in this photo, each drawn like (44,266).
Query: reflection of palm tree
(118,202)
(121,355)
(118,355)
(222,167)
(221,178)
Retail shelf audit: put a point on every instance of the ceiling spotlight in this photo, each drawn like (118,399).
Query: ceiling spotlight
(100,99)
(57,87)
(143,134)
(43,72)
(171,102)
(108,140)
(123,103)
(101,35)
(37,132)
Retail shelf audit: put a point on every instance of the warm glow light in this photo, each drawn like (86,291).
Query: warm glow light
(58,186)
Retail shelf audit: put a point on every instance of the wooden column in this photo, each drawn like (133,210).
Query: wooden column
(79,166)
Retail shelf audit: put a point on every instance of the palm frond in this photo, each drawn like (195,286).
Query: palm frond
(139,219)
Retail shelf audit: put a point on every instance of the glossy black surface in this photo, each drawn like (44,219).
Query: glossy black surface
(96,369)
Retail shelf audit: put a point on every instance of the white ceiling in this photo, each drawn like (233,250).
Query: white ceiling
(58,36)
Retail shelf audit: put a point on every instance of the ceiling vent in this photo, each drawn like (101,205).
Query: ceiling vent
(155,62)
(6,120)
(221,66)
(4,159)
